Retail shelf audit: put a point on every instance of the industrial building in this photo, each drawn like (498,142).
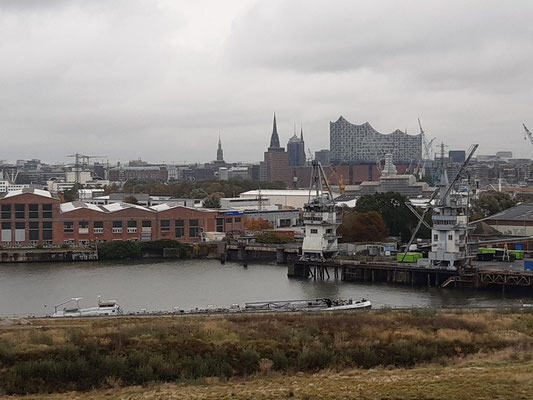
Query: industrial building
(280,198)
(515,221)
(35,217)
(391,181)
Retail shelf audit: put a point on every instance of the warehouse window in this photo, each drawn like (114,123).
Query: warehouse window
(193,228)
(20,211)
(283,223)
(47,231)
(165,225)
(34,231)
(47,211)
(220,224)
(68,227)
(98,226)
(6,211)
(33,211)
(180,228)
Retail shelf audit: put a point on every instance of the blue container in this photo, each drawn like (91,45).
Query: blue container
(528,265)
(518,246)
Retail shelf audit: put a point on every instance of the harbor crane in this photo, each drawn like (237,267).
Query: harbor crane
(449,232)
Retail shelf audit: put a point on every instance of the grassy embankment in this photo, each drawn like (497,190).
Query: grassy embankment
(372,354)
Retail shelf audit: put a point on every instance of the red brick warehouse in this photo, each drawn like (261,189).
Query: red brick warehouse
(34,217)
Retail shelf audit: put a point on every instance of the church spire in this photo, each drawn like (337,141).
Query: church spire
(220,152)
(274,138)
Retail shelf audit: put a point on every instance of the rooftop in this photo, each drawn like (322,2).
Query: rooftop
(38,192)
(276,192)
(521,212)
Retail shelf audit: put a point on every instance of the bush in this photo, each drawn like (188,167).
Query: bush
(130,250)
(119,250)
(248,362)
(272,238)
(280,360)
(314,359)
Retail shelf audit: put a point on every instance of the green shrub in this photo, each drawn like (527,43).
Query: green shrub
(248,362)
(272,238)
(119,250)
(314,359)
(37,337)
(280,360)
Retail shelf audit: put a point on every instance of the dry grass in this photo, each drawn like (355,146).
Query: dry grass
(271,356)
(466,383)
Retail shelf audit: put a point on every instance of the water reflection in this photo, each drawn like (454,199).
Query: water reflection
(33,289)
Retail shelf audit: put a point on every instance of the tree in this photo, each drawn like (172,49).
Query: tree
(131,200)
(198,194)
(71,194)
(211,202)
(399,219)
(490,203)
(257,224)
(363,227)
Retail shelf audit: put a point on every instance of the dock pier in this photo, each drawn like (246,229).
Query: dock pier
(410,274)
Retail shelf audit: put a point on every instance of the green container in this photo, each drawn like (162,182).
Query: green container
(410,257)
(519,254)
(483,250)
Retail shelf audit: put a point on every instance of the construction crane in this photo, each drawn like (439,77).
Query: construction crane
(310,157)
(340,180)
(428,151)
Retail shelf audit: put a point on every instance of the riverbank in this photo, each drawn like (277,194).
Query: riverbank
(509,381)
(258,356)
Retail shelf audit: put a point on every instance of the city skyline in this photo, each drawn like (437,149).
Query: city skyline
(134,79)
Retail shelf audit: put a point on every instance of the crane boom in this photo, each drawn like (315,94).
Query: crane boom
(528,134)
(469,156)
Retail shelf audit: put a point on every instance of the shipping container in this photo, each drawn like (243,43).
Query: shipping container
(410,257)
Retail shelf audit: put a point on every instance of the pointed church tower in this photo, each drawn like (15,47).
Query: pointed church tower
(274,138)
(220,152)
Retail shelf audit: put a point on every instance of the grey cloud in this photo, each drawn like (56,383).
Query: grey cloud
(456,39)
(159,80)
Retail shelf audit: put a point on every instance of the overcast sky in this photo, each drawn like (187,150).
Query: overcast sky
(161,79)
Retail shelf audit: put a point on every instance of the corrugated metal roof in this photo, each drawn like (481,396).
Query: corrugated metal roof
(520,212)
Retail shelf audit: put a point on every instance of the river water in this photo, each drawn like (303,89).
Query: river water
(33,289)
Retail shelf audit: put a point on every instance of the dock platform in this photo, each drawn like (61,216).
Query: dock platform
(410,274)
